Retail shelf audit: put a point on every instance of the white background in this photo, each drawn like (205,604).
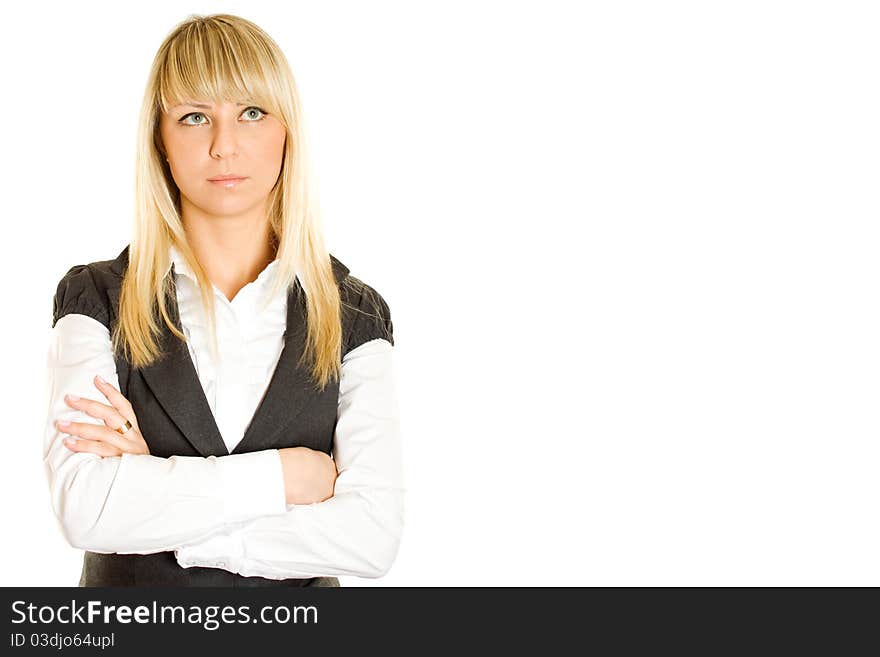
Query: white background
(630,250)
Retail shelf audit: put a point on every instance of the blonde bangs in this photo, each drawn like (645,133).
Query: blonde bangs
(207,62)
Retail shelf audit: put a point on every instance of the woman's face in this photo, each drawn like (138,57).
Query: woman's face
(204,141)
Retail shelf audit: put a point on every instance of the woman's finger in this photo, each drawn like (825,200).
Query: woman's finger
(111,416)
(95,433)
(120,403)
(92,446)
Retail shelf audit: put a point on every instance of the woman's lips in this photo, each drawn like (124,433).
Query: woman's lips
(229,183)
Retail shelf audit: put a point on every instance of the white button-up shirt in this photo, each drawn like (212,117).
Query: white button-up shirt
(230,512)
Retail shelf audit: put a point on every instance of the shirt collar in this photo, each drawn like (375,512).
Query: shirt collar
(119,265)
(181,268)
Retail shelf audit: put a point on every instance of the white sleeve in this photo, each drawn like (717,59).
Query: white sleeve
(138,503)
(358,530)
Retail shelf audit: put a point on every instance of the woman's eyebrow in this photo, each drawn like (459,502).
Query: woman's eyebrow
(202,105)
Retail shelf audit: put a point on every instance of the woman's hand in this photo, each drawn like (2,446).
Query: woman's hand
(309,475)
(104,440)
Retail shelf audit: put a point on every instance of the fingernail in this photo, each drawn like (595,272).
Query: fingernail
(100,380)
(70,441)
(73,397)
(63,423)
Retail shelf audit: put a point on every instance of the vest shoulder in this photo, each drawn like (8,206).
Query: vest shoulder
(84,289)
(366,314)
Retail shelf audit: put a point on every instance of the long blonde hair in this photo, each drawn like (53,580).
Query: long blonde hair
(224,57)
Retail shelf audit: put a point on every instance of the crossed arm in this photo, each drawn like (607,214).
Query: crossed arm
(230,511)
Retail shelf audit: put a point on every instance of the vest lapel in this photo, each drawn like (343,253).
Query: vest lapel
(175,384)
(290,388)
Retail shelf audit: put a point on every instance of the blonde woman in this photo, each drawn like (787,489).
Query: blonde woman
(226,382)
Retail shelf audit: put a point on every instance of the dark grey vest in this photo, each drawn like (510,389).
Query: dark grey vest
(175,418)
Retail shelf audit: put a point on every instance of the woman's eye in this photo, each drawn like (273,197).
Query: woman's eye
(255,109)
(250,112)
(183,120)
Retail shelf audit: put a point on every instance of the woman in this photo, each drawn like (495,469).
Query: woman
(227,384)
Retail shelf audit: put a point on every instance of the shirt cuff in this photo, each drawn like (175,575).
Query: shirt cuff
(222,551)
(253,485)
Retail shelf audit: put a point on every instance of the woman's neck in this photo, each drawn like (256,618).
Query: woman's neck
(232,250)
